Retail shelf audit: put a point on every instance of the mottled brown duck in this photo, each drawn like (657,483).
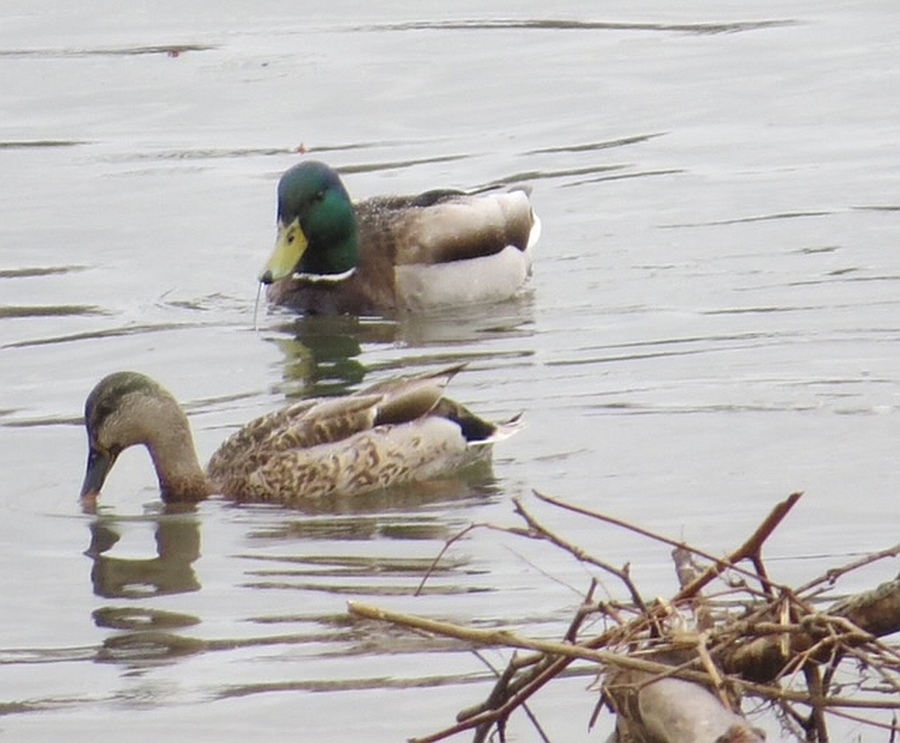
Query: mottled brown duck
(398,431)
(395,254)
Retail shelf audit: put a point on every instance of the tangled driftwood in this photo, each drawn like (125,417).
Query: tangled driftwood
(677,671)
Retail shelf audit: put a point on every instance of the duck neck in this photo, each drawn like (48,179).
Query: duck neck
(339,258)
(333,238)
(181,479)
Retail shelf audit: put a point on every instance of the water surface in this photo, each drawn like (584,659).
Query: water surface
(712,324)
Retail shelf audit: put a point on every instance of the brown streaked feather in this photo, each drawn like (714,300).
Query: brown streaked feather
(407,398)
(253,433)
(451,226)
(394,432)
(321,422)
(315,422)
(370,460)
(319,447)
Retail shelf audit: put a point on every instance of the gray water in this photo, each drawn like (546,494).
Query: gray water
(712,324)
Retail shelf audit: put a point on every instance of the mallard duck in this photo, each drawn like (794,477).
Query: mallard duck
(391,254)
(397,431)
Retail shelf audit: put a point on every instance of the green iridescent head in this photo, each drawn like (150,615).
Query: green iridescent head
(317,232)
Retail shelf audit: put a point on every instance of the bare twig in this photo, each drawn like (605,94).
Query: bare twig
(750,548)
(831,576)
(506,638)
(455,538)
(542,532)
(672,654)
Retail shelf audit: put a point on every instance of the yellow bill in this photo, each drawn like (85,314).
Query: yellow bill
(289,249)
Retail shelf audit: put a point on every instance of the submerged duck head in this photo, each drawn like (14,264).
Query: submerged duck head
(127,408)
(317,234)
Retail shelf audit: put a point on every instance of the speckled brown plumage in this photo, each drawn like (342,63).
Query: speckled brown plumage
(393,432)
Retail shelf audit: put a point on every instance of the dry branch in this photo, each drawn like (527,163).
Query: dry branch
(667,684)
(852,622)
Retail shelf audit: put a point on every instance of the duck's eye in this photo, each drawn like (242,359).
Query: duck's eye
(319,197)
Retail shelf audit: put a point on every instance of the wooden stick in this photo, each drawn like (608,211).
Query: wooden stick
(720,565)
(623,574)
(509,639)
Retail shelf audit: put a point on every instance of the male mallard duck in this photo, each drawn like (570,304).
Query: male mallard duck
(438,249)
(397,431)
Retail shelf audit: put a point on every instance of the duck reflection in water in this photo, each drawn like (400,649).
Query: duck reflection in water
(171,571)
(322,353)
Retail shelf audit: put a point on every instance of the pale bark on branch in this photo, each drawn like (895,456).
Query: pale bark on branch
(667,684)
